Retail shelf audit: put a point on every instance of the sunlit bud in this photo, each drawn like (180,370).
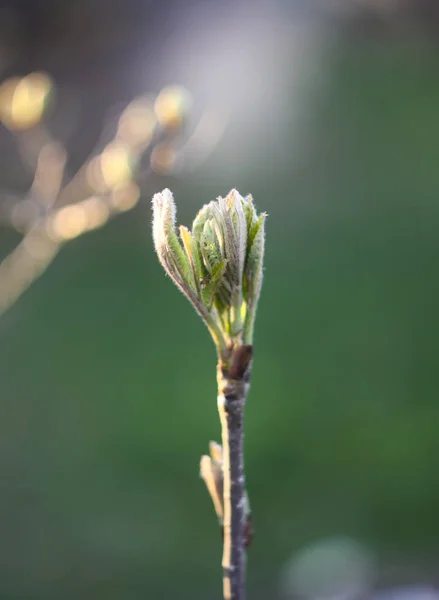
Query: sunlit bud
(217,265)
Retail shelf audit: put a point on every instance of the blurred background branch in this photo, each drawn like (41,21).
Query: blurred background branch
(58,208)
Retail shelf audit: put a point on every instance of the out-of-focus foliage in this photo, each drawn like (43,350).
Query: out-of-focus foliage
(108,381)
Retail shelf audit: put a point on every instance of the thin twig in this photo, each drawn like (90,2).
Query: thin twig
(233,385)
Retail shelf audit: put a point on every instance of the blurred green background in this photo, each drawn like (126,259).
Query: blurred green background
(107,376)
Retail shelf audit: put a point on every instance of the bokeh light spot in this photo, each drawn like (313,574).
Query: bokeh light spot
(23,100)
(172,105)
(137,123)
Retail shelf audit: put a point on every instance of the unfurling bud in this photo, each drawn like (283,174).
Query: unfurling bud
(217,266)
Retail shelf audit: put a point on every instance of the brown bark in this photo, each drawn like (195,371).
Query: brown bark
(233,385)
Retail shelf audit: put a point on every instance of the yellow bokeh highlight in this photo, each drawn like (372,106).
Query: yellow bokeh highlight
(111,169)
(23,100)
(69,222)
(116,165)
(97,212)
(137,123)
(172,105)
(126,198)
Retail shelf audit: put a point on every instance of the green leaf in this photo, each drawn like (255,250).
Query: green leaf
(254,231)
(179,257)
(253,276)
(209,288)
(250,213)
(188,244)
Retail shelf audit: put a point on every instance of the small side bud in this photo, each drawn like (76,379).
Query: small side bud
(211,471)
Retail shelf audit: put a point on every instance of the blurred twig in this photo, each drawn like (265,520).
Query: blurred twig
(58,208)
